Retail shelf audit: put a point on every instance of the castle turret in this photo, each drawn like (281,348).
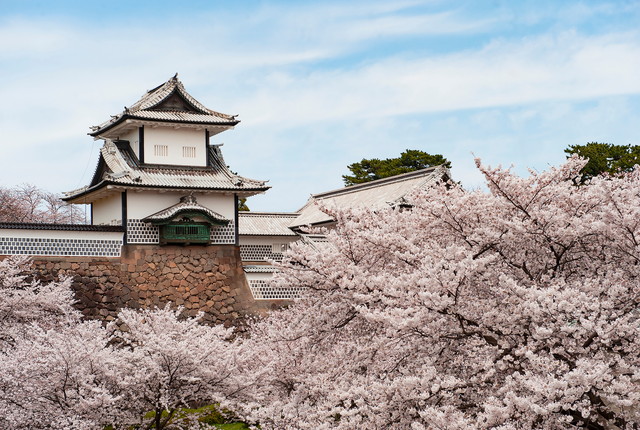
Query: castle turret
(156,161)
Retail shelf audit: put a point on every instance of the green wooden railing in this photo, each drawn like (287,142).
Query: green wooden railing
(185,233)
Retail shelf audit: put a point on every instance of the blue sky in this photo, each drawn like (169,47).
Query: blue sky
(320,85)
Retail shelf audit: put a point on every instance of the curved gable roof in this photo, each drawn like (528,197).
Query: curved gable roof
(169,102)
(187,205)
(118,165)
(376,194)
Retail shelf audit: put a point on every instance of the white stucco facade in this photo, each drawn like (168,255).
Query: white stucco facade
(133,136)
(141,204)
(44,242)
(267,240)
(60,234)
(260,249)
(108,210)
(180,147)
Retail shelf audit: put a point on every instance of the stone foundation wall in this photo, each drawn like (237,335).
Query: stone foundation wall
(200,278)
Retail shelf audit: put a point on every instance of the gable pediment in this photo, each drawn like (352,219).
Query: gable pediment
(168,102)
(175,102)
(100,172)
(187,210)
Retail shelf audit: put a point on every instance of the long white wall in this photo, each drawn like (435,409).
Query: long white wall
(266,240)
(184,147)
(262,288)
(108,210)
(263,248)
(145,203)
(60,242)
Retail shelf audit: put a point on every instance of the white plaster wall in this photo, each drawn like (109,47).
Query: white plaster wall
(261,248)
(261,288)
(224,205)
(61,234)
(259,276)
(108,210)
(144,203)
(60,243)
(266,240)
(133,138)
(175,139)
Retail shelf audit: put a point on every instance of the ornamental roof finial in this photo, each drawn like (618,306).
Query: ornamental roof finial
(188,199)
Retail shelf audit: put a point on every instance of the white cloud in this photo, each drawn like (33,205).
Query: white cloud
(565,67)
(312,90)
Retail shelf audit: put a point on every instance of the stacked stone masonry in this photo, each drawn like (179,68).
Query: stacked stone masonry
(199,278)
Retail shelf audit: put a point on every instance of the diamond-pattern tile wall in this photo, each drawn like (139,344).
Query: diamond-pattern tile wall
(262,290)
(142,232)
(223,234)
(59,246)
(259,253)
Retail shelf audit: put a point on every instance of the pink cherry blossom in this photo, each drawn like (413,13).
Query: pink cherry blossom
(516,308)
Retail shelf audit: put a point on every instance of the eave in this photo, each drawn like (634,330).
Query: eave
(106,188)
(189,207)
(302,228)
(137,121)
(60,227)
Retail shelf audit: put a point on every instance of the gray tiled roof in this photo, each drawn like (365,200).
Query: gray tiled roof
(375,194)
(186,204)
(119,166)
(174,116)
(265,223)
(63,227)
(147,109)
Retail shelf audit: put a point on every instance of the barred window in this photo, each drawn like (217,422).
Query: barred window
(189,151)
(160,150)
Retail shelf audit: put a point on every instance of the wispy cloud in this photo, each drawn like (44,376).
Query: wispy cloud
(568,66)
(320,85)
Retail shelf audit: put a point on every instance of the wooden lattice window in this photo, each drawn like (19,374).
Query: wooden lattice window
(189,151)
(185,233)
(161,150)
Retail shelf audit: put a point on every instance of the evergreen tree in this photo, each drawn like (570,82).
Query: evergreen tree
(605,158)
(408,161)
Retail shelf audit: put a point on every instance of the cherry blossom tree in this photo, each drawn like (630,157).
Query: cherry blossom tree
(58,371)
(62,378)
(172,362)
(53,366)
(28,204)
(513,309)
(25,300)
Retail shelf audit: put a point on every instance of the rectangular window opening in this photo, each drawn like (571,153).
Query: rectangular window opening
(189,151)
(161,150)
(279,248)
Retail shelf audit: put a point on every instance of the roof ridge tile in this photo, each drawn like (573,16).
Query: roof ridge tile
(143,109)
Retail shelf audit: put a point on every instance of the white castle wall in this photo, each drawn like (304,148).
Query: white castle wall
(60,242)
(262,288)
(133,137)
(255,251)
(108,211)
(175,140)
(144,203)
(262,248)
